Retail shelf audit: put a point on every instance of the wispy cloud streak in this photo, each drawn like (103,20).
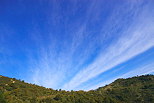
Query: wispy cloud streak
(146,69)
(73,52)
(134,40)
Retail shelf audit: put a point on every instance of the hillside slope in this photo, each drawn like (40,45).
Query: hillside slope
(131,90)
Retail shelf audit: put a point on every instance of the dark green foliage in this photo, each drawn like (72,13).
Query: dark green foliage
(131,90)
(2,99)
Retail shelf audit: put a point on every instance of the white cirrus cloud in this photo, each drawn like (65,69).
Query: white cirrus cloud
(136,39)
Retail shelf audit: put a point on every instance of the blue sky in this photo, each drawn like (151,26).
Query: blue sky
(76,44)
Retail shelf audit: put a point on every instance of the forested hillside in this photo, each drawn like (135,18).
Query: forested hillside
(131,90)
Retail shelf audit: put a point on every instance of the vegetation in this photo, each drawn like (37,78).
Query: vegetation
(132,90)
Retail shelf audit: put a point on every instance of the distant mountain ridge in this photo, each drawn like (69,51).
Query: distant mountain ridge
(139,89)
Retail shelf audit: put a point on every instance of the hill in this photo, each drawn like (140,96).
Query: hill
(131,90)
